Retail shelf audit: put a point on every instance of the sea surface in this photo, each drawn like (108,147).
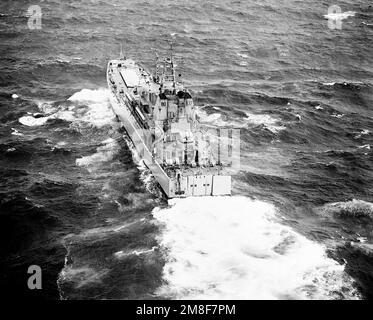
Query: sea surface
(76,201)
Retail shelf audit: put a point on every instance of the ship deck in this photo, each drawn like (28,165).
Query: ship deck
(130,75)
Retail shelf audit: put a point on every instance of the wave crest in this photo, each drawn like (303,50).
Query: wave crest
(90,107)
(351,209)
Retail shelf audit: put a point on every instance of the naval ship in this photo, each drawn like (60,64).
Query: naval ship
(159,116)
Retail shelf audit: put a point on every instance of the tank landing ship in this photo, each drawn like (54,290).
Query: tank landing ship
(159,116)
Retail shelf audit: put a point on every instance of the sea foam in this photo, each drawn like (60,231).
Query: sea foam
(88,107)
(104,153)
(236,248)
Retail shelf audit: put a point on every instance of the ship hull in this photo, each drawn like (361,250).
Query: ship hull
(182,182)
(137,137)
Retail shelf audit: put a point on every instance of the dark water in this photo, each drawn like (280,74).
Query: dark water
(74,200)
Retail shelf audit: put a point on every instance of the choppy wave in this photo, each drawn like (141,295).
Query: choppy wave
(15,132)
(351,209)
(362,133)
(98,95)
(104,153)
(269,122)
(31,121)
(218,119)
(86,106)
(236,248)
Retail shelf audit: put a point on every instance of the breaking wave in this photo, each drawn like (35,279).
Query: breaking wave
(217,119)
(32,121)
(104,153)
(87,106)
(351,209)
(269,122)
(244,253)
(98,95)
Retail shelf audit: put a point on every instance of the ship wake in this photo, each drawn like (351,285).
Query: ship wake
(237,248)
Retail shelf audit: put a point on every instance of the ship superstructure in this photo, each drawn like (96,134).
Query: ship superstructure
(159,116)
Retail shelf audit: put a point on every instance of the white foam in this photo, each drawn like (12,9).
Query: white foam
(257,119)
(30,121)
(99,112)
(92,107)
(365,132)
(362,133)
(352,208)
(217,119)
(338,116)
(98,95)
(104,153)
(15,132)
(365,146)
(125,253)
(242,55)
(236,248)
(266,120)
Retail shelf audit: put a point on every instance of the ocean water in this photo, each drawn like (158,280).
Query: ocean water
(75,199)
